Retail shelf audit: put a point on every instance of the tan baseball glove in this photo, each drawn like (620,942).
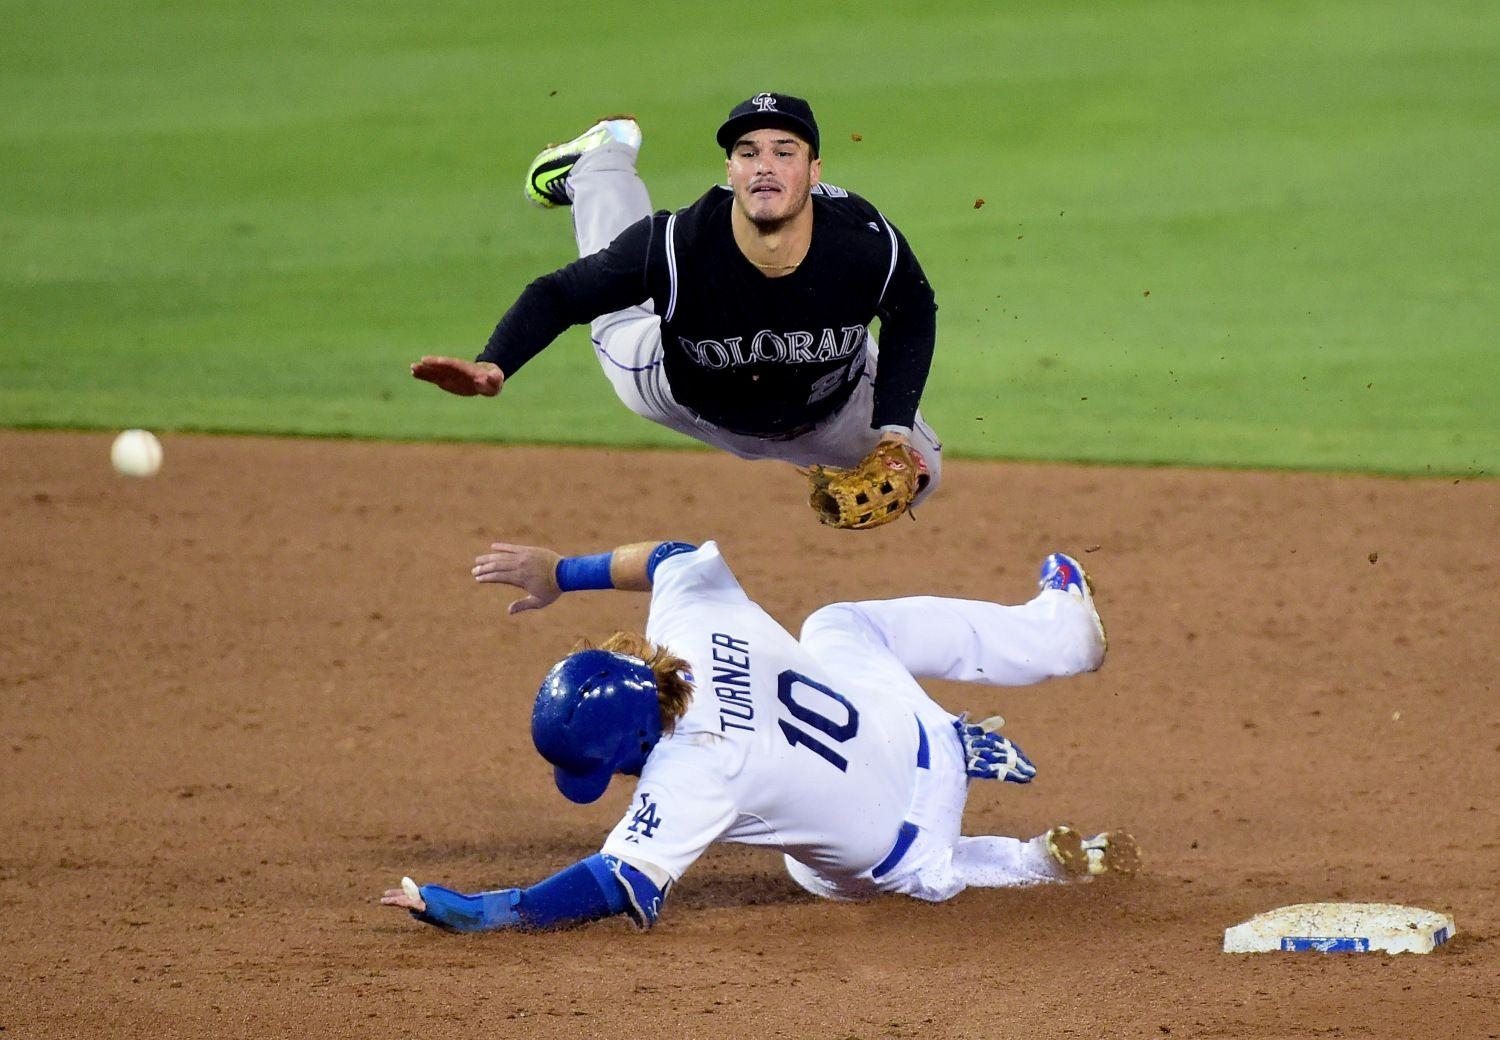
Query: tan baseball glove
(873,493)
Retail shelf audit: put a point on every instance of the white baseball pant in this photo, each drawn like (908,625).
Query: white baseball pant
(880,648)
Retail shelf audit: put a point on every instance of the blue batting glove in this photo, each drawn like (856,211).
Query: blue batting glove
(989,756)
(455,912)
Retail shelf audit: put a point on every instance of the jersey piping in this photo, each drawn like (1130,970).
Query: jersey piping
(892,269)
(671,267)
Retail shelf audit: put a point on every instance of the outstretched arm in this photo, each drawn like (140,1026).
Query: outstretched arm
(610,280)
(600,886)
(544,575)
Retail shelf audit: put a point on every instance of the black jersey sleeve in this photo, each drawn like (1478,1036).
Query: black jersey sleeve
(908,332)
(609,280)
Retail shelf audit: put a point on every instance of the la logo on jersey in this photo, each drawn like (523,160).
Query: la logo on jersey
(764,102)
(645,821)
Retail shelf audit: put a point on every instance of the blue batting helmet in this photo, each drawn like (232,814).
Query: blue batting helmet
(596,715)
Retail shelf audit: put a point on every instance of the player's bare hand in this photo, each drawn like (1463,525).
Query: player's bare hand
(407,896)
(457,376)
(529,568)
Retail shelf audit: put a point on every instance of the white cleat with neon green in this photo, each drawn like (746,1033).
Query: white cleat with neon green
(547,179)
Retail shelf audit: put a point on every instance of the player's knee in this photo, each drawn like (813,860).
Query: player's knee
(844,616)
(934,476)
(931,454)
(831,612)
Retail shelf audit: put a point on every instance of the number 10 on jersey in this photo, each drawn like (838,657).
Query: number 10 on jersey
(836,732)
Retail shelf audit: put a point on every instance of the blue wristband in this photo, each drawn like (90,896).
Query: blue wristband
(662,552)
(575,573)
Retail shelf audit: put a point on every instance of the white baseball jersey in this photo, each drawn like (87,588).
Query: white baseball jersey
(828,748)
(775,748)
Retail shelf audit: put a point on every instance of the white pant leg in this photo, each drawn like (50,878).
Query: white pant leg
(983,861)
(990,861)
(986,861)
(875,648)
(861,666)
(1055,634)
(859,659)
(609,196)
(926,870)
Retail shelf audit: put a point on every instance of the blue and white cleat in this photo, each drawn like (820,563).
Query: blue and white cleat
(1060,571)
(1065,574)
(547,179)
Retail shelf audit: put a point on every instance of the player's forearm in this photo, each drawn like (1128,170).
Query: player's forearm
(631,568)
(905,361)
(606,281)
(537,318)
(908,334)
(593,888)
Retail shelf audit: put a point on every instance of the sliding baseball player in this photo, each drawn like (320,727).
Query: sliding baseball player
(824,747)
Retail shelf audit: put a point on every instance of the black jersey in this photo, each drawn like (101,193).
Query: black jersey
(750,354)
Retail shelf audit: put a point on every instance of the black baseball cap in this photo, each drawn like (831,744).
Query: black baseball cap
(777,111)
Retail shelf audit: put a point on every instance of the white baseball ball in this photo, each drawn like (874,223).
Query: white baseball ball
(136,453)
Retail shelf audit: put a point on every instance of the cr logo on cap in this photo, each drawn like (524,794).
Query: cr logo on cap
(764,102)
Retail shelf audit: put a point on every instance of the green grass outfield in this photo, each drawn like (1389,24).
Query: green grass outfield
(1246,234)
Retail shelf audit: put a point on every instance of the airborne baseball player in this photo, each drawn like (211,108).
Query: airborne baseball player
(823,747)
(743,320)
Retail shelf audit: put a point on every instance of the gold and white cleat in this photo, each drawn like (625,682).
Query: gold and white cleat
(1113,852)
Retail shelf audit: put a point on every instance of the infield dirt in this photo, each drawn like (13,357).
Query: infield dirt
(240,699)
